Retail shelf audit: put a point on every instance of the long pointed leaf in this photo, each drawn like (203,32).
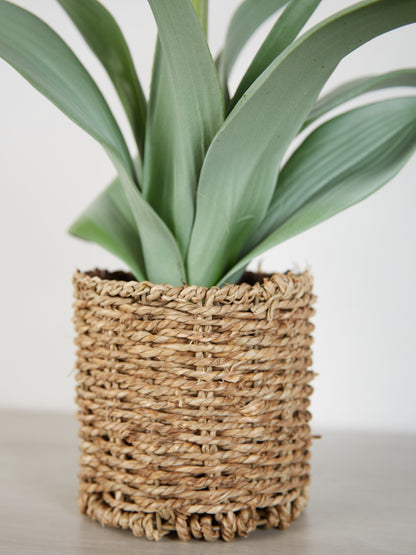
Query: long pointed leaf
(160,131)
(241,167)
(356,87)
(163,260)
(109,222)
(104,37)
(41,56)
(284,31)
(201,10)
(247,18)
(191,102)
(339,164)
(162,149)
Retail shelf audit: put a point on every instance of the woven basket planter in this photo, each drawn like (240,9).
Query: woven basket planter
(193,404)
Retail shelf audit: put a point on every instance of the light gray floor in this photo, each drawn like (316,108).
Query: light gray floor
(362,499)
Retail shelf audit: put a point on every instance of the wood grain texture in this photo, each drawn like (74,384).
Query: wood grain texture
(362,498)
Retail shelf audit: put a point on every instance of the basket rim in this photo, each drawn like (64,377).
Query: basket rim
(275,285)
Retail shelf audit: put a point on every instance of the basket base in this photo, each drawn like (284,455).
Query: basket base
(205,526)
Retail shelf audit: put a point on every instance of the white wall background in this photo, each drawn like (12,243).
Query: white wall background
(364,260)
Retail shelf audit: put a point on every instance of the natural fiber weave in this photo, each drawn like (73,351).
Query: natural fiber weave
(193,404)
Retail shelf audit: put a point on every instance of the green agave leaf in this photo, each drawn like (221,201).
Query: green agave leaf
(160,144)
(109,222)
(41,56)
(284,31)
(342,162)
(104,37)
(186,109)
(201,10)
(248,17)
(240,170)
(356,87)
(160,130)
(163,260)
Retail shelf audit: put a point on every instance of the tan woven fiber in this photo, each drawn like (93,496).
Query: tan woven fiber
(193,404)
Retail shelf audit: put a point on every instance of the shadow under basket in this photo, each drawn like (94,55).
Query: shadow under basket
(193,403)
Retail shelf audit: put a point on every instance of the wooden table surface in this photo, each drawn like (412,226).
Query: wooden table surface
(363,499)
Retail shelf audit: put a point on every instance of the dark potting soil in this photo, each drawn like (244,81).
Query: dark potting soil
(249,277)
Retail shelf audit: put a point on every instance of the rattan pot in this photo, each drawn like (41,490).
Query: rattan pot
(193,403)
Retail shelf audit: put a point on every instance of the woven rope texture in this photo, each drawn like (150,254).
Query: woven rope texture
(193,404)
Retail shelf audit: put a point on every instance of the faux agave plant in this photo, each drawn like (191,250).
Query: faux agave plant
(207,190)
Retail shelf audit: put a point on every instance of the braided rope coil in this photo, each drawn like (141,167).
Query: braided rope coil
(193,404)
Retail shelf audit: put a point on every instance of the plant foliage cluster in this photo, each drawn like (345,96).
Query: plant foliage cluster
(210,186)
